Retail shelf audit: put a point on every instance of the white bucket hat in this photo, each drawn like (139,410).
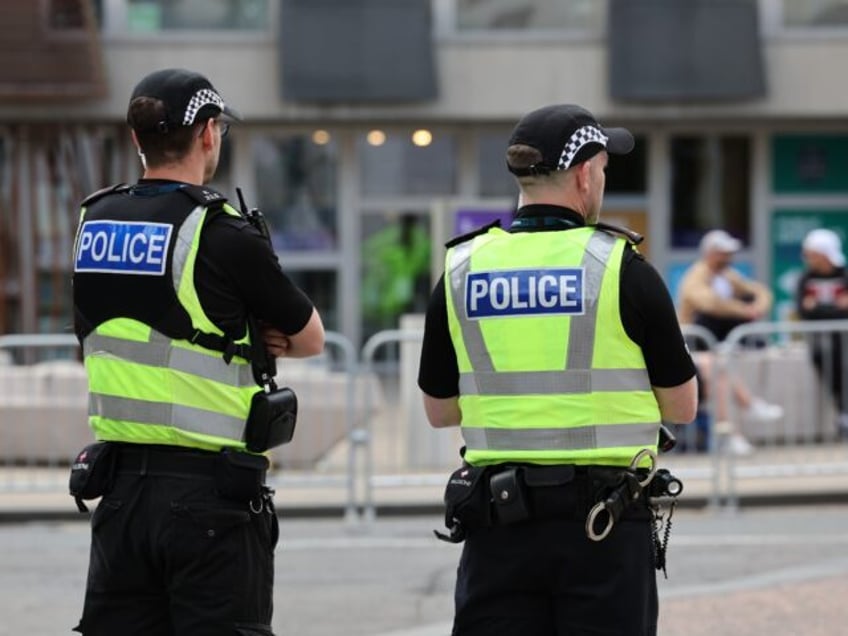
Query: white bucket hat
(827,243)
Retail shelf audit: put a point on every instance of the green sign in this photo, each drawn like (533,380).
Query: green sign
(788,229)
(810,164)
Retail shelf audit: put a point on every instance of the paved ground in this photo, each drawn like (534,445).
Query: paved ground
(759,572)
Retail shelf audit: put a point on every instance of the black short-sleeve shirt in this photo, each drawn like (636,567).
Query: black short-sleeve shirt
(237,271)
(647,313)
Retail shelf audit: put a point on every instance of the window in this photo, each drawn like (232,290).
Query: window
(530,15)
(495,179)
(296,190)
(628,174)
(419,162)
(815,13)
(71,15)
(710,188)
(395,267)
(164,15)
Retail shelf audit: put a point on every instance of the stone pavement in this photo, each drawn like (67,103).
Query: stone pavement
(761,571)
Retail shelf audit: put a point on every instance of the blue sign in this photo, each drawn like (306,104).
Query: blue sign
(524,292)
(120,247)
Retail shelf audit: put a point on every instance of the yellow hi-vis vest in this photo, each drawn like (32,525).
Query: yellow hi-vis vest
(548,374)
(147,388)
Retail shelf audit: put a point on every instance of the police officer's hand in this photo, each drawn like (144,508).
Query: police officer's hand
(275,340)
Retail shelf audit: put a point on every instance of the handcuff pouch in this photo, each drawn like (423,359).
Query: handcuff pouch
(509,496)
(271,420)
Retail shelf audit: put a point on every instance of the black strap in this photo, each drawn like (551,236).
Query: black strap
(263,364)
(634,237)
(462,238)
(94,196)
(224,344)
(203,195)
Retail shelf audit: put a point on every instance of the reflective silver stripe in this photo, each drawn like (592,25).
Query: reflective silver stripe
(553,382)
(581,335)
(186,418)
(472,335)
(552,439)
(182,248)
(159,352)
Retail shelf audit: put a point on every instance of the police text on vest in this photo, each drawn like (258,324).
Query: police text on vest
(524,292)
(122,247)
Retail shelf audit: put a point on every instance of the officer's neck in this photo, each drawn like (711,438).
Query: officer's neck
(559,198)
(175,173)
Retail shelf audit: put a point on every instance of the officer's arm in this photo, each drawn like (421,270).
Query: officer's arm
(442,412)
(309,341)
(678,404)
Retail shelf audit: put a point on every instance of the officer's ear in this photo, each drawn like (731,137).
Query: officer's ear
(583,175)
(207,133)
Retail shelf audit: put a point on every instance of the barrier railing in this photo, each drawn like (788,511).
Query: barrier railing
(318,465)
(362,436)
(44,422)
(805,444)
(401,450)
(43,402)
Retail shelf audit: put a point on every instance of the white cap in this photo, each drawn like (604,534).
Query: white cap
(719,241)
(827,243)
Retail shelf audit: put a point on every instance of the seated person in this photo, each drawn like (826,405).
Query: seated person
(718,297)
(823,295)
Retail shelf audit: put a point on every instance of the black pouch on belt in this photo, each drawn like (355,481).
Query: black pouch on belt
(466,503)
(240,476)
(92,472)
(507,489)
(271,420)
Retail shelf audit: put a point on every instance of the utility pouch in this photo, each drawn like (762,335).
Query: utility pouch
(92,473)
(507,490)
(466,503)
(240,476)
(271,420)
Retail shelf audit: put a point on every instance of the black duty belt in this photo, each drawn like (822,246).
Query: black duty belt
(166,461)
(553,492)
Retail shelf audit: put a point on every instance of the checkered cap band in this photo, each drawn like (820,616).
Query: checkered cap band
(580,137)
(203,97)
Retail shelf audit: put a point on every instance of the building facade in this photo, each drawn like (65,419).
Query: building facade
(376,129)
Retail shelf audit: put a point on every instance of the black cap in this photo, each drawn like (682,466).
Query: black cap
(188,97)
(565,135)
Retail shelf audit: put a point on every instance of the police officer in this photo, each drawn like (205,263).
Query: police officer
(555,346)
(167,276)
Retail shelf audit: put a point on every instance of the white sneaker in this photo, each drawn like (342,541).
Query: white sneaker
(738,445)
(762,411)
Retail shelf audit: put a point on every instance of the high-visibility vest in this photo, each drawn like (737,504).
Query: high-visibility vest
(547,373)
(145,386)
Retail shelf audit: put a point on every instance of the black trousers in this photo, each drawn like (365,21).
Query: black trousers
(170,557)
(546,578)
(827,360)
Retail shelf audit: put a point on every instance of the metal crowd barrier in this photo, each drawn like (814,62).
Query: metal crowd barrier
(43,401)
(404,455)
(44,404)
(363,441)
(803,450)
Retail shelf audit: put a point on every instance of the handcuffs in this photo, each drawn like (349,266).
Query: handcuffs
(625,493)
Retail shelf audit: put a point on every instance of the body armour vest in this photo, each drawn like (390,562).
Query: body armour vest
(548,374)
(140,322)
